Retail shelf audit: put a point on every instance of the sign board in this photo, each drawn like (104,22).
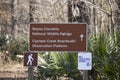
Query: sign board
(84,61)
(57,37)
(30,59)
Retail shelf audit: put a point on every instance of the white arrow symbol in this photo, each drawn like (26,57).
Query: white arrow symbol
(81,36)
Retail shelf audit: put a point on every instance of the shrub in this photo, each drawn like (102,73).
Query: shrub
(16,48)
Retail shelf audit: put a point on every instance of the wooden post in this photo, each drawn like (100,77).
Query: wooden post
(30,73)
(84,75)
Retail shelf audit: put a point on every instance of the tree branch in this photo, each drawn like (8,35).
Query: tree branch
(97,7)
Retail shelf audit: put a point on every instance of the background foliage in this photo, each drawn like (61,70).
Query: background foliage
(102,17)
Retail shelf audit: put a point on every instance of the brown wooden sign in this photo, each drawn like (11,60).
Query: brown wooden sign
(57,37)
(30,59)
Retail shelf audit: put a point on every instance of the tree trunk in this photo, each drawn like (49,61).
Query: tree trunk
(13,18)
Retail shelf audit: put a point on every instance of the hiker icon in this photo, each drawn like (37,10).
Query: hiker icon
(30,59)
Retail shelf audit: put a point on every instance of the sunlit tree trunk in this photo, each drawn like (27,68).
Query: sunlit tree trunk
(94,18)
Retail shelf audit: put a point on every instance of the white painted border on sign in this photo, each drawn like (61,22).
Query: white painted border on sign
(58,23)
